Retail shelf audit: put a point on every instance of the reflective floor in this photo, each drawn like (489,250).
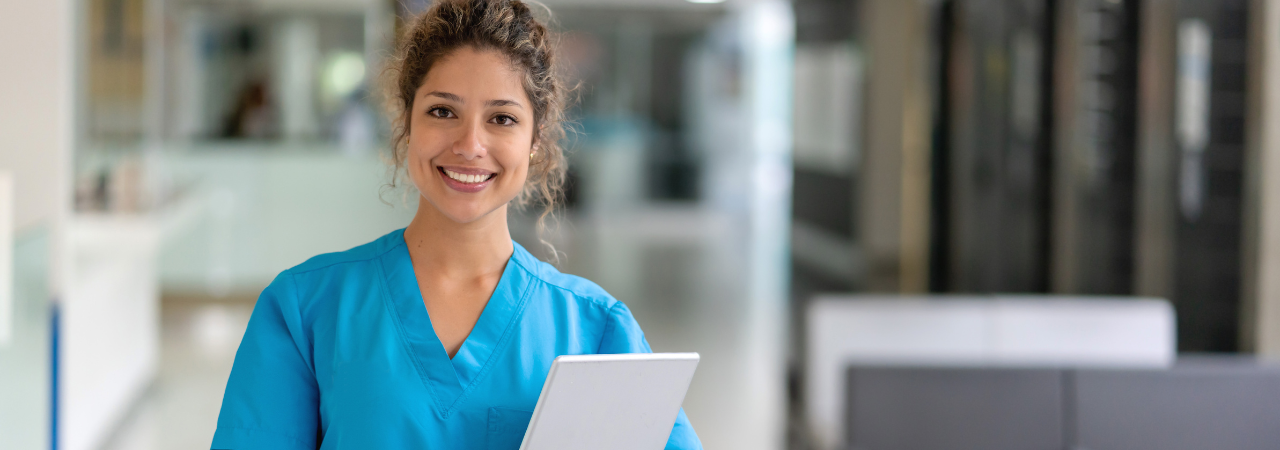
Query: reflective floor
(680,269)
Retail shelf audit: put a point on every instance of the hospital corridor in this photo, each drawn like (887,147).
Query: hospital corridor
(880,224)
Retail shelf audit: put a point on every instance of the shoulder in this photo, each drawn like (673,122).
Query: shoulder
(328,275)
(359,254)
(585,305)
(572,286)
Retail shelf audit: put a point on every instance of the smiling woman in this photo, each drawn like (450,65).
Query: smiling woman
(470,133)
(439,335)
(521,46)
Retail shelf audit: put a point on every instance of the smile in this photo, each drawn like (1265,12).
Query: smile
(468,178)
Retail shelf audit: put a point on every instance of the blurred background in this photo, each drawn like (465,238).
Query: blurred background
(885,224)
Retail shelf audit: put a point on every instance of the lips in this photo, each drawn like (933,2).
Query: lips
(466,179)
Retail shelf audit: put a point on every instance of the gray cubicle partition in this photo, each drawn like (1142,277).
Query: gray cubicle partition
(954,409)
(1195,405)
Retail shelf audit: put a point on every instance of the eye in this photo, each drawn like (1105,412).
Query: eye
(504,120)
(440,112)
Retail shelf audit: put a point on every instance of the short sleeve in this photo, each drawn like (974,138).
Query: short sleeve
(271,400)
(622,334)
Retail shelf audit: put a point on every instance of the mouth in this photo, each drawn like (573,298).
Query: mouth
(466,179)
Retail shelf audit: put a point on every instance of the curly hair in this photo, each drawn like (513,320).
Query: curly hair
(505,26)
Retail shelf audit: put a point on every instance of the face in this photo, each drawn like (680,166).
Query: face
(470,135)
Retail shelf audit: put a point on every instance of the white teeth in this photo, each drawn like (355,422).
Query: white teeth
(465,178)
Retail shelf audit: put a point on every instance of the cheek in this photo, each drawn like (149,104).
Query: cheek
(422,145)
(416,160)
(517,162)
(520,179)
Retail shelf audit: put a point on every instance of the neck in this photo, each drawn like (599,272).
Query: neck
(451,249)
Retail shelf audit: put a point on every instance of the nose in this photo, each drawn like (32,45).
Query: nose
(469,144)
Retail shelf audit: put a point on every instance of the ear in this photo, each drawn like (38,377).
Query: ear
(537,137)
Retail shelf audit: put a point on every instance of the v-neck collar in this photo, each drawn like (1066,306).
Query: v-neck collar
(451,380)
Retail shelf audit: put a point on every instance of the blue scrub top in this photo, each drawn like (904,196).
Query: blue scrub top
(340,354)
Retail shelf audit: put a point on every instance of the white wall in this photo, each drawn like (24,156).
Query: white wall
(36,132)
(36,117)
(36,126)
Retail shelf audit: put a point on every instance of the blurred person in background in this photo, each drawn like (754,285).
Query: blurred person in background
(438,335)
(252,116)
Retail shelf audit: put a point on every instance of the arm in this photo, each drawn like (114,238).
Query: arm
(271,401)
(622,334)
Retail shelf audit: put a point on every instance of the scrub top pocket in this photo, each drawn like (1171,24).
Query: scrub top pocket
(507,427)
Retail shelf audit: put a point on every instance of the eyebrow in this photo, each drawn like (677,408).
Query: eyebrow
(444,95)
(490,103)
(504,103)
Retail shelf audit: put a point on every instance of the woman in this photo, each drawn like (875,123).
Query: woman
(439,335)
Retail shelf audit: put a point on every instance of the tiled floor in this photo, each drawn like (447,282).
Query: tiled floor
(680,269)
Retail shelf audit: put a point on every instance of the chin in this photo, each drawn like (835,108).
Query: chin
(464,214)
(462,209)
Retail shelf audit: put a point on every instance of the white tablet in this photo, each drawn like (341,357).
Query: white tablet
(622,402)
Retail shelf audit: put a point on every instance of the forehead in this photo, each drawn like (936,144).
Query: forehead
(482,74)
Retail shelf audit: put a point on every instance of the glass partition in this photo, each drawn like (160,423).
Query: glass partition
(26,371)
